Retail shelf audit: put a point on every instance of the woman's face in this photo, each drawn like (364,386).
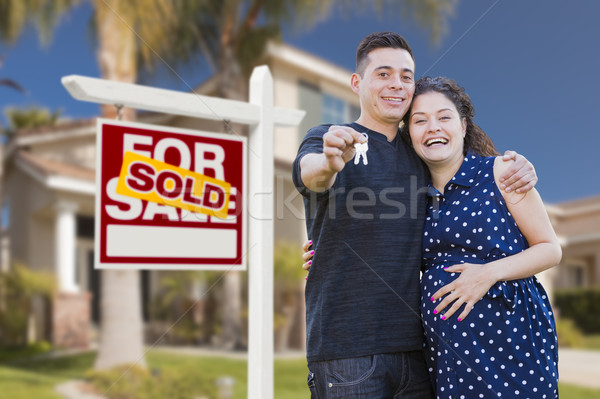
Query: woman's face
(436,129)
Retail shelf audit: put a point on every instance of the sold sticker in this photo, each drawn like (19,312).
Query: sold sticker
(155,181)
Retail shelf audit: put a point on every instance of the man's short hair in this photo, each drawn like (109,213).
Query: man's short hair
(378,40)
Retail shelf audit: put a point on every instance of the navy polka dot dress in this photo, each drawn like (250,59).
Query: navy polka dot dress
(506,347)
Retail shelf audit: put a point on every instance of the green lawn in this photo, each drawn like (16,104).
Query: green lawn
(36,379)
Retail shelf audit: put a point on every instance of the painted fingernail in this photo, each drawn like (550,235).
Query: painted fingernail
(459,319)
(310,262)
(443,317)
(312,252)
(310,241)
(432,299)
(306,278)
(434,311)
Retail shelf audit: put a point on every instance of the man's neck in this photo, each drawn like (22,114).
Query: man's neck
(390,130)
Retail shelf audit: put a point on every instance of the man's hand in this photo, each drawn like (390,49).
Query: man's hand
(338,146)
(520,177)
(319,171)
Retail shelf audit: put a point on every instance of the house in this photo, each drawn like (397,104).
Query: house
(49,190)
(48,193)
(577,224)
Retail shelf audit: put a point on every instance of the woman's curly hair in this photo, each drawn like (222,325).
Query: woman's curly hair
(475,139)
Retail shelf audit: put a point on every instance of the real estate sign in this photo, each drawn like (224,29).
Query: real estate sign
(169,198)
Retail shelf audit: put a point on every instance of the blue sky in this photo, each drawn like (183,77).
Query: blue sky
(532,69)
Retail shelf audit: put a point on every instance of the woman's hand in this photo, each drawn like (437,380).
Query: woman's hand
(307,255)
(472,284)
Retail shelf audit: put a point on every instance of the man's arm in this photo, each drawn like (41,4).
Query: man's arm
(520,176)
(318,171)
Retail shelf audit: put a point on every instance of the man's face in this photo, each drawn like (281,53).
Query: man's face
(386,88)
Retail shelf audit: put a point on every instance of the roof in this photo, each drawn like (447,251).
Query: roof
(47,167)
(55,174)
(309,62)
(581,206)
(64,125)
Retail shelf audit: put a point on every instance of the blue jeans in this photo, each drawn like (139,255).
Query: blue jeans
(386,376)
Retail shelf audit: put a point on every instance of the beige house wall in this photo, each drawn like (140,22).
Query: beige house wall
(286,78)
(289,223)
(41,244)
(285,84)
(26,198)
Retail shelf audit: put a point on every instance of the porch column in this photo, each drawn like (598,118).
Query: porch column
(595,272)
(64,253)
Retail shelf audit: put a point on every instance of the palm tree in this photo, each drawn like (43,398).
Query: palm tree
(31,117)
(121,339)
(231,35)
(10,84)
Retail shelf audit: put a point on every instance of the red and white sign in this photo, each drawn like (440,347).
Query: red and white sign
(169,198)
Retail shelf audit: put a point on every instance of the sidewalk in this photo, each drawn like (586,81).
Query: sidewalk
(579,367)
(194,351)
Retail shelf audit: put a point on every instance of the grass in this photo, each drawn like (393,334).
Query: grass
(568,391)
(37,378)
(28,379)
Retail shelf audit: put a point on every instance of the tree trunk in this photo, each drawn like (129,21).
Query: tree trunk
(231,311)
(121,329)
(231,87)
(121,325)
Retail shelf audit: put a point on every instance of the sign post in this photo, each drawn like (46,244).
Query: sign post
(262,116)
(260,273)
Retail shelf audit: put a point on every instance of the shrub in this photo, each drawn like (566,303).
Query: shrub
(569,336)
(35,349)
(18,287)
(580,305)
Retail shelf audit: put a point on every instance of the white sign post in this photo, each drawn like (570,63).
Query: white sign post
(262,116)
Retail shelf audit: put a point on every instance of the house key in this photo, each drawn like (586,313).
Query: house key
(361,150)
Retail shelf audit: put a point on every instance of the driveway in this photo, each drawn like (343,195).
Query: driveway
(579,367)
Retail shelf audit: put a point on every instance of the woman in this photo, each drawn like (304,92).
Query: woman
(481,250)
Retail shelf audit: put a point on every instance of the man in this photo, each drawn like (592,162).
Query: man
(364,335)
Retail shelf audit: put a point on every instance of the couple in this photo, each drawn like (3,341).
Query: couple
(488,326)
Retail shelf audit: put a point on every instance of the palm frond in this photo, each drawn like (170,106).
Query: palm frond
(12,84)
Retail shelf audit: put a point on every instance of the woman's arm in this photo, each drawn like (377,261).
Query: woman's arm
(544,252)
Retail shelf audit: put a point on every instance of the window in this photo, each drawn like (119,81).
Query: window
(334,110)
(322,108)
(310,101)
(5,216)
(576,273)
